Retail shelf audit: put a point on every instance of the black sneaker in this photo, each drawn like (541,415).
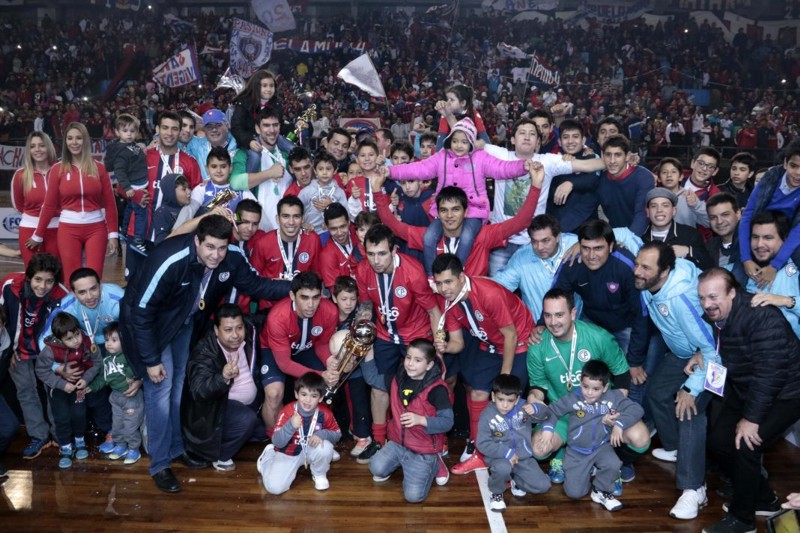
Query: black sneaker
(762,509)
(364,457)
(731,524)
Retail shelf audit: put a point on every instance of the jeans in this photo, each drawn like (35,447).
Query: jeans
(8,426)
(28,395)
(434,233)
(499,257)
(237,428)
(69,415)
(139,223)
(99,405)
(162,403)
(655,354)
(419,469)
(688,437)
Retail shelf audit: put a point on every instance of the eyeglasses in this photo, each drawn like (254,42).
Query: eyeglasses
(702,165)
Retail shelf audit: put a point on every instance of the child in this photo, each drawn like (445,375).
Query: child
(127,412)
(358,188)
(422,414)
(461,165)
(344,178)
(218,166)
(68,345)
(504,438)
(743,168)
(321,192)
(363,222)
(127,161)
(401,152)
(670,175)
(304,434)
(458,106)
(424,146)
(175,195)
(592,409)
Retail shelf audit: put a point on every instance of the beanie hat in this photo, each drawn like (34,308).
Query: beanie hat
(466,126)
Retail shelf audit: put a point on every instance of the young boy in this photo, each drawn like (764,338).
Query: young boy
(127,161)
(67,345)
(421,417)
(321,192)
(218,167)
(504,438)
(304,434)
(127,412)
(592,409)
(175,195)
(743,168)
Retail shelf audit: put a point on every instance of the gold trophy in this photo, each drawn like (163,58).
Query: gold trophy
(354,349)
(221,199)
(302,123)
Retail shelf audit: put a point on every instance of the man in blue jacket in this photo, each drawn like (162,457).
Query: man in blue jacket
(168,299)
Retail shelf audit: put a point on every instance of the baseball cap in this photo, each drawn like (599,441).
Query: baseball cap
(214,116)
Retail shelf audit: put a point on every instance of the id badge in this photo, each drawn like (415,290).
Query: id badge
(715,378)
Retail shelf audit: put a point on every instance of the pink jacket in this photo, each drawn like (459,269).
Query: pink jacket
(468,172)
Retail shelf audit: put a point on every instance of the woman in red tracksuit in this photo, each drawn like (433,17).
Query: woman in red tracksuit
(80,188)
(28,188)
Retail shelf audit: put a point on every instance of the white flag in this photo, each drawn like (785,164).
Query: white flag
(361,73)
(275,14)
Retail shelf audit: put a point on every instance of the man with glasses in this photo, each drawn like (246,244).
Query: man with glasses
(698,188)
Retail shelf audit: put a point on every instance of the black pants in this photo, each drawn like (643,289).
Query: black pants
(743,466)
(69,415)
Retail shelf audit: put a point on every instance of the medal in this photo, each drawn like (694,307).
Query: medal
(569,383)
(91,332)
(202,304)
(93,348)
(440,335)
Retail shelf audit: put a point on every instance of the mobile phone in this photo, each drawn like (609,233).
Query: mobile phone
(787,521)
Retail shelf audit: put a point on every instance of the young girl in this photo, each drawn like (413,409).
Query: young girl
(457,106)
(458,164)
(422,414)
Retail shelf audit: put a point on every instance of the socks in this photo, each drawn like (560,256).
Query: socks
(475,409)
(379,433)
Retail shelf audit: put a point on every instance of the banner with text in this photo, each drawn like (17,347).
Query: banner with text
(11,156)
(317,47)
(180,69)
(251,47)
(520,5)
(542,71)
(275,14)
(614,11)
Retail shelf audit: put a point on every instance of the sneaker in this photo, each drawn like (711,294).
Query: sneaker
(664,455)
(361,445)
(132,456)
(336,456)
(497,503)
(607,500)
(516,491)
(366,455)
(617,492)
(689,504)
(474,462)
(266,456)
(139,248)
(627,473)
(379,479)
(81,452)
(35,447)
(321,482)
(224,466)
(443,474)
(731,524)
(556,472)
(108,444)
(66,456)
(762,509)
(468,450)
(118,452)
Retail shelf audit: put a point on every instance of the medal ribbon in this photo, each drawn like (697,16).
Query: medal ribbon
(303,437)
(449,305)
(288,256)
(571,355)
(89,330)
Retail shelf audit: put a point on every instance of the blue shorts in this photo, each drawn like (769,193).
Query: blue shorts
(479,368)
(270,373)
(387,358)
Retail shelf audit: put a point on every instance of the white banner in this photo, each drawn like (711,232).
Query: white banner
(520,5)
(251,47)
(11,156)
(361,73)
(275,14)
(180,69)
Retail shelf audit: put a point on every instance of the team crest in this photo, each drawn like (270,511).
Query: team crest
(791,269)
(303,257)
(264,369)
(613,286)
(401,292)
(663,309)
(316,331)
(479,316)
(584,355)
(223,277)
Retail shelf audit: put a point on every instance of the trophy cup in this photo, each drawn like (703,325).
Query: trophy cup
(353,350)
(221,199)
(303,122)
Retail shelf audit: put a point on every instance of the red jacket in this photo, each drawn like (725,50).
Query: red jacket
(30,202)
(415,438)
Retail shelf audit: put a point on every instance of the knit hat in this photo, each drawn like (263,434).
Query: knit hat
(661,192)
(465,126)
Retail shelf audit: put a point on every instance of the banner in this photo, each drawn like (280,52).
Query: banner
(10,226)
(614,11)
(506,50)
(361,73)
(360,123)
(542,71)
(251,47)
(11,156)
(317,47)
(180,69)
(521,5)
(177,25)
(275,14)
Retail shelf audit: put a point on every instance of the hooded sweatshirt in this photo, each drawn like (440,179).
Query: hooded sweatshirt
(165,216)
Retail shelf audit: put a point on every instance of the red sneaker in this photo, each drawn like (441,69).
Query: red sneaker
(473,462)
(443,474)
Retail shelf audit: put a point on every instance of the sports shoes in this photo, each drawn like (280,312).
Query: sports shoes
(379,479)
(119,452)
(496,503)
(336,456)
(689,504)
(66,456)
(468,450)
(627,473)
(369,451)
(224,466)
(665,455)
(607,500)
(321,482)
(443,474)
(556,472)
(35,447)
(445,451)
(474,462)
(617,492)
(266,456)
(516,491)
(108,444)
(361,445)
(81,452)
(139,248)
(731,524)
(762,509)
(132,456)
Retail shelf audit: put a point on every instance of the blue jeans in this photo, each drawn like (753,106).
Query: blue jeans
(162,403)
(434,233)
(655,354)
(237,428)
(140,222)
(686,436)
(419,469)
(500,257)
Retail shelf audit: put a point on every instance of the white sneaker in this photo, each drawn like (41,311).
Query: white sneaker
(664,455)
(266,456)
(443,473)
(336,456)
(469,449)
(516,491)
(361,445)
(321,482)
(224,466)
(606,499)
(496,503)
(379,479)
(689,504)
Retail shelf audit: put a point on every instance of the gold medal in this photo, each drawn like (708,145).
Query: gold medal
(569,384)
(202,304)
(440,335)
(93,348)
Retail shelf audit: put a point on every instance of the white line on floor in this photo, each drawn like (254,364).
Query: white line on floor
(496,522)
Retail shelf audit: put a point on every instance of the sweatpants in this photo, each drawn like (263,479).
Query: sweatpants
(75,239)
(578,471)
(279,470)
(49,246)
(526,474)
(128,416)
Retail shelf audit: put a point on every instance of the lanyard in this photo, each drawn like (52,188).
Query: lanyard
(201,302)
(303,437)
(389,313)
(369,201)
(449,305)
(451,244)
(165,161)
(288,255)
(557,257)
(571,355)
(89,330)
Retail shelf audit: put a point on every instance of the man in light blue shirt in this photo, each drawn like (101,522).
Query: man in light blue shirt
(215,126)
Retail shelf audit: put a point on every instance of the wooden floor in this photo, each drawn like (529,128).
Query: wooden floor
(101,495)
